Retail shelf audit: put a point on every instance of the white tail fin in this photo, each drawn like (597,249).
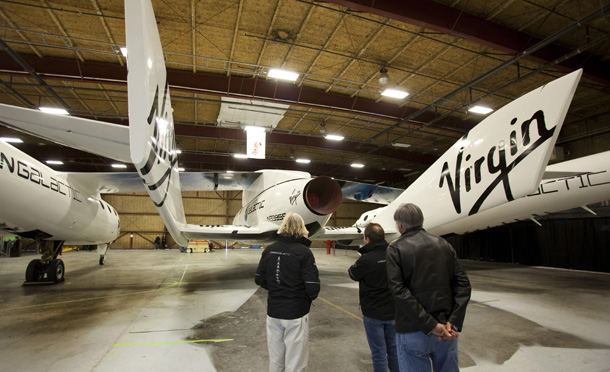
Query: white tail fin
(151,124)
(500,159)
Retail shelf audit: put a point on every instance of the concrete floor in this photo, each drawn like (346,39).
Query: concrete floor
(168,311)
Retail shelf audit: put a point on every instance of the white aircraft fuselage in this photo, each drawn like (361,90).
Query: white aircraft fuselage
(38,202)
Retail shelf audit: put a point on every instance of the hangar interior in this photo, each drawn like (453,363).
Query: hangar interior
(447,55)
(160,311)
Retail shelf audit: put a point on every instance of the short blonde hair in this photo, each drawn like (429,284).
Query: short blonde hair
(293,225)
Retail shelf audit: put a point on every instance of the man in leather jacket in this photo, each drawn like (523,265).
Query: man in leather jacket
(376,300)
(287,270)
(431,293)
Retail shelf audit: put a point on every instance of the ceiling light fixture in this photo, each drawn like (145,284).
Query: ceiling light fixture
(394,93)
(54,110)
(55,162)
(303,161)
(403,145)
(384,78)
(282,74)
(357,165)
(11,140)
(334,137)
(240,156)
(119,166)
(180,169)
(254,128)
(480,110)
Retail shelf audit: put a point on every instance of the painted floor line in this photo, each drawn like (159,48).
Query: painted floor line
(340,308)
(173,342)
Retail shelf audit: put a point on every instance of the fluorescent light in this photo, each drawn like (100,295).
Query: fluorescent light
(54,110)
(119,166)
(177,151)
(405,169)
(56,162)
(254,128)
(11,140)
(240,156)
(394,93)
(357,165)
(283,74)
(180,169)
(303,161)
(229,171)
(403,145)
(480,110)
(334,137)
(124,51)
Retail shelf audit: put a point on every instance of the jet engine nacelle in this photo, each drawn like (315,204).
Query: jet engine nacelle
(313,199)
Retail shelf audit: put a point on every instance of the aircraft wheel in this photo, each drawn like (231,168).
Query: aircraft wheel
(189,250)
(34,272)
(56,270)
(207,250)
(102,259)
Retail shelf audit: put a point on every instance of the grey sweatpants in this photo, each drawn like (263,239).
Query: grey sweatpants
(288,343)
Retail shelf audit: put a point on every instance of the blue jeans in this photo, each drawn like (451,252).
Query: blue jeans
(381,336)
(418,352)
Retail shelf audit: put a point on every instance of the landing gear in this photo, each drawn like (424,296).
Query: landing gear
(49,272)
(102,259)
(48,269)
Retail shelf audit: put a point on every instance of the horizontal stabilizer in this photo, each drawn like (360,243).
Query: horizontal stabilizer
(95,137)
(226,232)
(369,193)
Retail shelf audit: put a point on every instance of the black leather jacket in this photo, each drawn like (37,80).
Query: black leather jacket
(427,282)
(287,269)
(370,271)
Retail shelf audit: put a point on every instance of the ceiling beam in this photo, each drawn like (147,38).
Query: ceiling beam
(234,86)
(452,21)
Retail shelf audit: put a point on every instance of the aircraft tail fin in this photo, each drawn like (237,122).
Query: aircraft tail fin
(500,159)
(151,124)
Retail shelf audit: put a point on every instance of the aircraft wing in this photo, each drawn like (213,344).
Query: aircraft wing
(227,232)
(369,193)
(96,137)
(351,233)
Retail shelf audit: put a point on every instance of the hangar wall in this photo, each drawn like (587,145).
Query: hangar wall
(564,240)
(141,223)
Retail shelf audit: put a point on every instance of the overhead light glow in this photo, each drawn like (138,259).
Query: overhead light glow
(254,128)
(357,165)
(303,161)
(480,110)
(229,171)
(54,110)
(124,51)
(283,74)
(11,140)
(403,145)
(56,162)
(334,137)
(177,151)
(394,93)
(240,156)
(180,169)
(119,166)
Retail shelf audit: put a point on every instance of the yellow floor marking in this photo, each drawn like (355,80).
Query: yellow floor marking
(174,342)
(340,308)
(87,299)
(184,273)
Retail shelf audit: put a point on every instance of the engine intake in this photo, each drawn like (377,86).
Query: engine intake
(323,195)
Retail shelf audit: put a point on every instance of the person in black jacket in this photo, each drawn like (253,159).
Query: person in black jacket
(287,269)
(376,301)
(431,292)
